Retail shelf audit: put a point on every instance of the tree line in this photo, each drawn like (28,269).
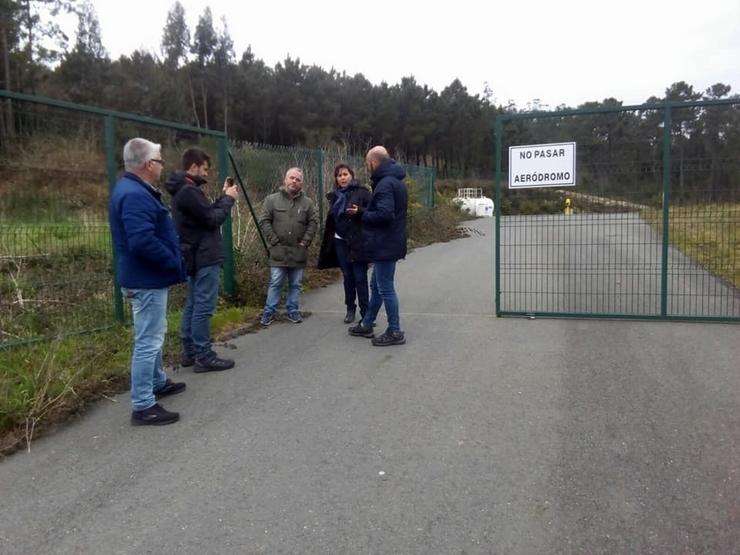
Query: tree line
(197,78)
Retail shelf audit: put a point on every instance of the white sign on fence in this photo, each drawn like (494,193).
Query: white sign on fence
(550,165)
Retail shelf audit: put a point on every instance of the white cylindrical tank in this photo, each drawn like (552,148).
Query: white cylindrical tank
(483,207)
(472,201)
(468,204)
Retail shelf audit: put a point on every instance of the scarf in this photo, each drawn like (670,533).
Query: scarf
(340,203)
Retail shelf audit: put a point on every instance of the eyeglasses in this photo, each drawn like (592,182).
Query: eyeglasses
(161,162)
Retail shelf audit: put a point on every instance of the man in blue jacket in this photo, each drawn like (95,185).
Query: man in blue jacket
(148,262)
(384,243)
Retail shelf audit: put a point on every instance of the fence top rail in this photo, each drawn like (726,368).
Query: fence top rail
(611,109)
(103,112)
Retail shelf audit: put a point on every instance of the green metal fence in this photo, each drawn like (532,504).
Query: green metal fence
(424,179)
(261,169)
(59,161)
(653,227)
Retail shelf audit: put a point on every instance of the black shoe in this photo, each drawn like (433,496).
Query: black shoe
(266,320)
(154,416)
(361,331)
(186,360)
(295,317)
(170,388)
(389,338)
(211,362)
(350,317)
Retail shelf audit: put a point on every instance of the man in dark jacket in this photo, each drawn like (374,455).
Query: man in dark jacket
(289,223)
(148,262)
(384,241)
(198,222)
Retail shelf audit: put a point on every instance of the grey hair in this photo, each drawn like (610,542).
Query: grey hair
(296,168)
(137,152)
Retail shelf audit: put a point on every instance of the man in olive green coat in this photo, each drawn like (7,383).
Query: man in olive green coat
(289,222)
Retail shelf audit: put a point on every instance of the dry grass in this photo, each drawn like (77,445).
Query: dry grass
(44,384)
(708,233)
(73,175)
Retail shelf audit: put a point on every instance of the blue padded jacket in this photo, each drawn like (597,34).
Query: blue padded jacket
(144,238)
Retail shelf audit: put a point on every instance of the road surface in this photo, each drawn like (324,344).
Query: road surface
(480,435)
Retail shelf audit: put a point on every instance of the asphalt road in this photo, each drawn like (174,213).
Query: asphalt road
(480,435)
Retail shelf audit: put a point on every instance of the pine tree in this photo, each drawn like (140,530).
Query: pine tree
(175,37)
(204,48)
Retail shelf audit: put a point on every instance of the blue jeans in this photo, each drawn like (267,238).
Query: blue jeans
(149,307)
(383,293)
(200,304)
(277,276)
(355,278)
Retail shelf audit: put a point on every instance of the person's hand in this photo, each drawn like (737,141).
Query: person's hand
(302,244)
(230,188)
(352,210)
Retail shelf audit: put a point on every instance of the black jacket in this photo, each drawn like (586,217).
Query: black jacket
(198,221)
(384,220)
(350,229)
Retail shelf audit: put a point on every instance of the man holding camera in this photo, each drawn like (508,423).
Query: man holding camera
(198,222)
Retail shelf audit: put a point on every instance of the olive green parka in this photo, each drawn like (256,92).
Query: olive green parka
(286,222)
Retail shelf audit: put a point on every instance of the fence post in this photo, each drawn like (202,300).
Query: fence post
(111,170)
(432,189)
(427,190)
(498,132)
(229,281)
(666,208)
(320,189)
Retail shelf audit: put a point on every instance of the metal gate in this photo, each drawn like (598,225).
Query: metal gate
(651,227)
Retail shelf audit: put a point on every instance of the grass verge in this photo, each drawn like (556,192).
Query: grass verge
(707,233)
(44,384)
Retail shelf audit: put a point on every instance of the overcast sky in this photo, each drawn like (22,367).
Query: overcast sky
(561,52)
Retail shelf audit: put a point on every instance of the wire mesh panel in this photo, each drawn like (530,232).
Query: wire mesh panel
(704,212)
(56,266)
(598,248)
(59,161)
(263,168)
(55,262)
(423,185)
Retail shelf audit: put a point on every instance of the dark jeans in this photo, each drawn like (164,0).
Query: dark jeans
(355,278)
(200,304)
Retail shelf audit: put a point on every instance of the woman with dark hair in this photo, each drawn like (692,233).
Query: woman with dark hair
(342,243)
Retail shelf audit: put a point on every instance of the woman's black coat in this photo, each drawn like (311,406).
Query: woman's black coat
(352,227)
